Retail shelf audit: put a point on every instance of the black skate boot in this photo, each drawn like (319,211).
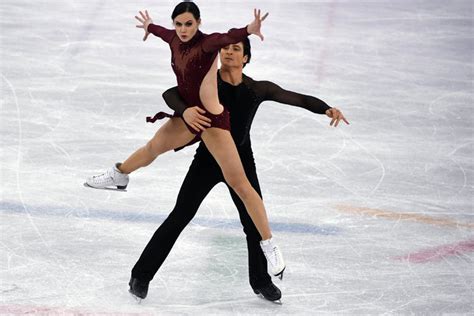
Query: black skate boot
(138,288)
(269,292)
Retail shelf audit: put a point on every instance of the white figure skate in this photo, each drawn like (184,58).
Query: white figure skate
(112,179)
(274,257)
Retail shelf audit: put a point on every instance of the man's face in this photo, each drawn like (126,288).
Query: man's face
(233,55)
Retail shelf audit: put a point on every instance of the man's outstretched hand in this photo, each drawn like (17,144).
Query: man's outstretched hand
(336,116)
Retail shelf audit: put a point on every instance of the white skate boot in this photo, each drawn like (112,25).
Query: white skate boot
(274,257)
(109,179)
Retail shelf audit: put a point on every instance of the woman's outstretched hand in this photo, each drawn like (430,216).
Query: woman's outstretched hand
(145,20)
(254,27)
(336,116)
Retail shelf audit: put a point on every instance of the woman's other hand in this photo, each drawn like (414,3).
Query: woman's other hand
(145,20)
(255,26)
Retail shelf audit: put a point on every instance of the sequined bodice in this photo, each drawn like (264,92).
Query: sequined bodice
(192,60)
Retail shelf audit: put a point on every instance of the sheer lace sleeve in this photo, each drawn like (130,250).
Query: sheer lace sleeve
(163,33)
(174,101)
(216,41)
(275,93)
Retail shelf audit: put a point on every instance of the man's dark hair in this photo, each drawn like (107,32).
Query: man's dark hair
(247,49)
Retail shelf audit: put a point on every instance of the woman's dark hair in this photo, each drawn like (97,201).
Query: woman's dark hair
(186,6)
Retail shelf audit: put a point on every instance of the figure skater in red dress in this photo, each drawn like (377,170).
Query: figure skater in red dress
(194,62)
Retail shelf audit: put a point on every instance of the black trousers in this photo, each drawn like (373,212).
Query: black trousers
(203,174)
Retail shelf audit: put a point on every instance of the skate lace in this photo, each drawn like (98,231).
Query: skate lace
(275,251)
(103,178)
(275,260)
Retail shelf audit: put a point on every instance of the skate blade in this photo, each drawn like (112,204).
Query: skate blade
(280,275)
(110,189)
(138,299)
(277,302)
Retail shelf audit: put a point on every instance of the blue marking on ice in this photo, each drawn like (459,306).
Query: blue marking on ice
(37,210)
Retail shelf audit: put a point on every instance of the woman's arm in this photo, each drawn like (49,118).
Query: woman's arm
(216,41)
(163,33)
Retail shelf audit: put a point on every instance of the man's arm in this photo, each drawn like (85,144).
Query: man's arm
(192,115)
(276,93)
(174,101)
(273,92)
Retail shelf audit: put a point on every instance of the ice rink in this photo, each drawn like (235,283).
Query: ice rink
(375,217)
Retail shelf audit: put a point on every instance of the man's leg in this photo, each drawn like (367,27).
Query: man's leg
(197,184)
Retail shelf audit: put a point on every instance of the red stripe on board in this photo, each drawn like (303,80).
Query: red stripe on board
(438,253)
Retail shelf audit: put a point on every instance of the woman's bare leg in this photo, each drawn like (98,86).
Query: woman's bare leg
(221,145)
(171,135)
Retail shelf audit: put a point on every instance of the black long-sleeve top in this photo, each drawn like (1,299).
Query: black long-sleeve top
(243,101)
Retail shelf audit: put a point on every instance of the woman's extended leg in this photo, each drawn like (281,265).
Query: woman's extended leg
(222,147)
(173,134)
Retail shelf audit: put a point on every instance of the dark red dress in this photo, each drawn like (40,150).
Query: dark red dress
(191,62)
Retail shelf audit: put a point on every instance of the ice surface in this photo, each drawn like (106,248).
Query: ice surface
(373,218)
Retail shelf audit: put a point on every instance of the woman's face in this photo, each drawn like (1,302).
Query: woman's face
(186,26)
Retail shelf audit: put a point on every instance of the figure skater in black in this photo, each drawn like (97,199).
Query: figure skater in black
(242,96)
